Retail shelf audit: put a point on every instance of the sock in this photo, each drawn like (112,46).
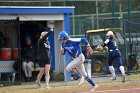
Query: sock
(90,81)
(74,72)
(122,69)
(47,77)
(111,68)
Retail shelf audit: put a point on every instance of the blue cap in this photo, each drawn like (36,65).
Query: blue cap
(27,38)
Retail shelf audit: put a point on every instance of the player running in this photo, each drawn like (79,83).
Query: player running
(73,47)
(114,54)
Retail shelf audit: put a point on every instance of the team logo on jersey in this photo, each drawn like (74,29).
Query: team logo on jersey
(69,48)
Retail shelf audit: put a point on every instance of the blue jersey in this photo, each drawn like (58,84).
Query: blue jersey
(73,47)
(111,44)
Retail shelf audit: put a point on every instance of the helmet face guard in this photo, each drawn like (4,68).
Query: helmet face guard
(63,38)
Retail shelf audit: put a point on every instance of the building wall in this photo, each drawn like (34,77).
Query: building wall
(59,59)
(9,30)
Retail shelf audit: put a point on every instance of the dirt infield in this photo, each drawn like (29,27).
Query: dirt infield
(132,85)
(121,90)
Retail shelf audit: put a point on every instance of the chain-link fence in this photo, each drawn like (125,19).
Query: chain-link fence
(128,42)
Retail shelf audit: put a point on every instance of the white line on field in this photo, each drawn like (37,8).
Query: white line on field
(119,90)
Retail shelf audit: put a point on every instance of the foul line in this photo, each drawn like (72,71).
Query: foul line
(119,90)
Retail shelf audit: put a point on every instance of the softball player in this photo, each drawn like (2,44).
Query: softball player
(73,47)
(114,53)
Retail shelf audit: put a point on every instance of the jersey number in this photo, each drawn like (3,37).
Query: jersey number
(115,43)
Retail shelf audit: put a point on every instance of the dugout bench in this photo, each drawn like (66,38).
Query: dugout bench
(7,67)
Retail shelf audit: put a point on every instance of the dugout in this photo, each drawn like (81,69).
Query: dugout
(16,22)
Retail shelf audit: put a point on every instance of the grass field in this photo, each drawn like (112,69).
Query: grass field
(132,85)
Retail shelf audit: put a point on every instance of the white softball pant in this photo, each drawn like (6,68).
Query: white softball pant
(77,63)
(27,68)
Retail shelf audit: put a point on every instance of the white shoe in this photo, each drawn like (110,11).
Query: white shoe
(94,88)
(113,78)
(123,77)
(47,87)
(81,81)
(38,84)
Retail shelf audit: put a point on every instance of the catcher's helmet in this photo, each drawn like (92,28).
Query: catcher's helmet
(63,35)
(109,33)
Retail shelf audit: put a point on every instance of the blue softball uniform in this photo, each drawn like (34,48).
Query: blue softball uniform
(73,47)
(114,53)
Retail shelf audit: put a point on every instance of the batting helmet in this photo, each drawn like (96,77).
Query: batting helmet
(63,35)
(109,33)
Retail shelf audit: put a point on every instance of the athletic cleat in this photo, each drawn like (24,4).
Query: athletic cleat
(81,81)
(94,88)
(123,77)
(113,78)
(38,84)
(47,87)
